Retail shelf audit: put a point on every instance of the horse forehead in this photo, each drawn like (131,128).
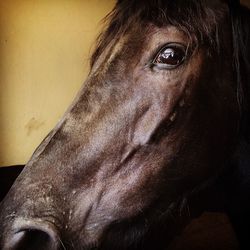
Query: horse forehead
(107,56)
(148,36)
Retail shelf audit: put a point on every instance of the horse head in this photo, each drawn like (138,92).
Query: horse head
(158,116)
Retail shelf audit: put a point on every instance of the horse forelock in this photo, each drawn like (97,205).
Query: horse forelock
(198,20)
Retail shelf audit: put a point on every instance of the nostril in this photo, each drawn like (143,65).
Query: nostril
(35,237)
(31,240)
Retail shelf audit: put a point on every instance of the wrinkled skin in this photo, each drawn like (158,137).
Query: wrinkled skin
(135,140)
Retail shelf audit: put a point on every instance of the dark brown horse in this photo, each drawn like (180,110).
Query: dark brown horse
(162,112)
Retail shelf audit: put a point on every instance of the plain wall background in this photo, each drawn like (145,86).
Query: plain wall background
(44,46)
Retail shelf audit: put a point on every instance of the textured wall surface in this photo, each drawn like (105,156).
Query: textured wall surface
(44,48)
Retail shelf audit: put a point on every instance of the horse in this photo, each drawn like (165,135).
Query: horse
(163,114)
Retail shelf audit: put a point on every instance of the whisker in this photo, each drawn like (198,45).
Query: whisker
(63,246)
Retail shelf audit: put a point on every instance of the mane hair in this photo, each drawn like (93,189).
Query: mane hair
(193,17)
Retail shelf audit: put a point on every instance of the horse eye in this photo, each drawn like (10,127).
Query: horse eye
(171,56)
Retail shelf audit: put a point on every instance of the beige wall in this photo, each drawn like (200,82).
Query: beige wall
(44,49)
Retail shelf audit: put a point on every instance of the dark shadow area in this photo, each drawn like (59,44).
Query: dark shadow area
(7,177)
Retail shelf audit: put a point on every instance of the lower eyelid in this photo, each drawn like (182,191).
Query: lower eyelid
(164,66)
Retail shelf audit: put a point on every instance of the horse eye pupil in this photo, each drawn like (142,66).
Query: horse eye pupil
(170,56)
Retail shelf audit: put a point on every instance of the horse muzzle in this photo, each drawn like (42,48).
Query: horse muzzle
(32,234)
